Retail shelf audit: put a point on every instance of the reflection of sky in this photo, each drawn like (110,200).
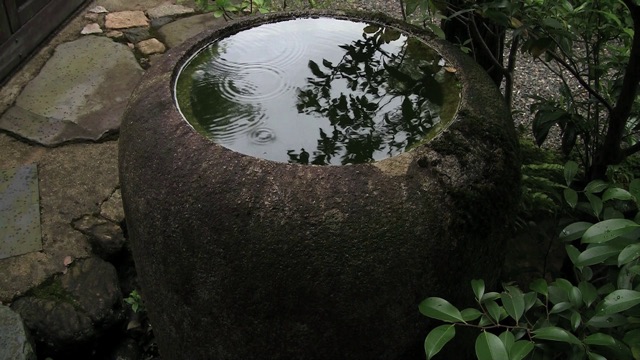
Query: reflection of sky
(267,65)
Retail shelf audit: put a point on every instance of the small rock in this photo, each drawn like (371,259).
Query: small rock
(92,16)
(168,10)
(92,28)
(106,238)
(98,10)
(112,208)
(126,19)
(151,46)
(115,34)
(131,46)
(15,339)
(136,35)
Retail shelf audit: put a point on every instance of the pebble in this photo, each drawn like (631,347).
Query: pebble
(151,46)
(91,16)
(98,10)
(125,20)
(115,34)
(92,28)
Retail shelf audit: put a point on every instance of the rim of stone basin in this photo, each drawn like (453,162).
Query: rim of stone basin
(444,114)
(207,38)
(477,92)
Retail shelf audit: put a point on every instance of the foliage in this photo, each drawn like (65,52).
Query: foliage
(135,301)
(594,316)
(225,8)
(592,48)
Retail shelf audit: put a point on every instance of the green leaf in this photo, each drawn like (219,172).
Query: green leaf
(507,339)
(436,30)
(576,320)
(589,292)
(470,314)
(440,309)
(597,255)
(595,186)
(554,333)
(607,321)
(570,171)
(628,254)
(573,253)
(489,347)
(634,188)
(632,339)
(574,231)
(618,301)
(520,350)
(493,309)
(478,288)
(560,307)
(571,197)
(437,338)
(616,193)
(490,296)
(596,204)
(607,230)
(600,339)
(540,286)
(513,302)
(594,356)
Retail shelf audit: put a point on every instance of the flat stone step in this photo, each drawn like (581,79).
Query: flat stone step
(19,211)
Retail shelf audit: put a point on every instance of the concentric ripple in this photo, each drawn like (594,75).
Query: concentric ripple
(317,91)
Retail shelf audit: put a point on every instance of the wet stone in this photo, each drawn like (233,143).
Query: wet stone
(180,30)
(167,10)
(19,211)
(106,237)
(151,46)
(73,308)
(125,20)
(15,340)
(80,93)
(135,35)
(92,28)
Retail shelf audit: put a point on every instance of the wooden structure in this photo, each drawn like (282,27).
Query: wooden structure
(24,24)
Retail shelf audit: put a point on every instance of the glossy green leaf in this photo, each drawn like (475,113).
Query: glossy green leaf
(593,356)
(628,254)
(607,321)
(575,297)
(437,338)
(478,288)
(490,296)
(485,321)
(600,339)
(513,302)
(470,314)
(576,320)
(618,301)
(597,255)
(632,339)
(608,230)
(437,30)
(507,339)
(440,309)
(560,307)
(540,286)
(574,231)
(596,204)
(530,300)
(589,292)
(596,186)
(493,309)
(489,347)
(573,253)
(554,333)
(634,189)
(520,350)
(616,193)
(570,196)
(570,170)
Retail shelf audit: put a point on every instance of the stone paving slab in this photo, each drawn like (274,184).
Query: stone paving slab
(19,211)
(180,30)
(80,93)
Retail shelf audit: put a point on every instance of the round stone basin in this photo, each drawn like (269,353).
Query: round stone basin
(318,91)
(244,257)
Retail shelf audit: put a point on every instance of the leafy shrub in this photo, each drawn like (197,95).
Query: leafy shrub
(594,316)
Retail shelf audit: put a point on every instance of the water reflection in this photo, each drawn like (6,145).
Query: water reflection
(346,93)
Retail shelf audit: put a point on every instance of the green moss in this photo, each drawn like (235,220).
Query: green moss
(53,290)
